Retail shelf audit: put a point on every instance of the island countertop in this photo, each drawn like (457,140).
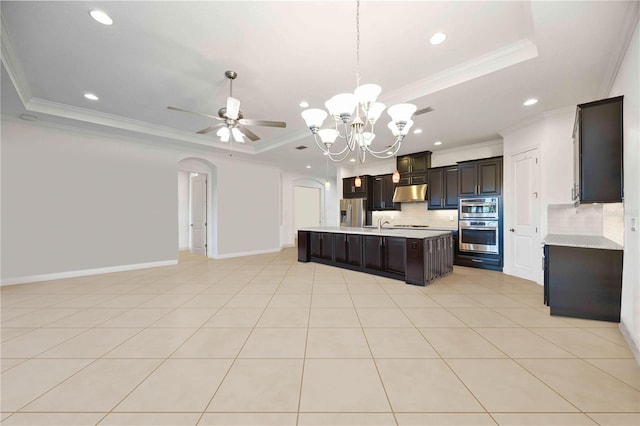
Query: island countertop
(385,232)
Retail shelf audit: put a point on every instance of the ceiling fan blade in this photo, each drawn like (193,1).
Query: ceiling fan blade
(193,112)
(233,108)
(209,129)
(249,122)
(423,111)
(248,133)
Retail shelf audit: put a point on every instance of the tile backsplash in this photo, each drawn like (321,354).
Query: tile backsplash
(587,219)
(417,214)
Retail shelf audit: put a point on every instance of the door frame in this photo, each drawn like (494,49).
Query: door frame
(201,165)
(192,175)
(309,183)
(509,214)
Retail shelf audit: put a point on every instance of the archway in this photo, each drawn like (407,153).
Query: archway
(200,166)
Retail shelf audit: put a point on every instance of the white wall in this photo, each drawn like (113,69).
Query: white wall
(183,210)
(626,83)
(248,203)
(551,134)
(73,201)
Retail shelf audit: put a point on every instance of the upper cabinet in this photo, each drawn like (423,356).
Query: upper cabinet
(480,177)
(413,168)
(597,139)
(383,188)
(350,190)
(442,188)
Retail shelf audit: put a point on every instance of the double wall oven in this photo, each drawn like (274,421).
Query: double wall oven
(478,225)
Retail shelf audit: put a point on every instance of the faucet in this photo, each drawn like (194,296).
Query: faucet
(381,223)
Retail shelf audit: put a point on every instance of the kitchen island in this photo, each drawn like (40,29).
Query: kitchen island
(415,256)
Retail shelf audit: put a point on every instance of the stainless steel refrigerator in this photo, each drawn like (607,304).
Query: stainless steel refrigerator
(354,213)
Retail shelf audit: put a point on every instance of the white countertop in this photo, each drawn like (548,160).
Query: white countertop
(585,241)
(386,232)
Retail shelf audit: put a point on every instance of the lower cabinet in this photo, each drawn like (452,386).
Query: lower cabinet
(414,260)
(583,282)
(384,254)
(347,249)
(372,252)
(322,245)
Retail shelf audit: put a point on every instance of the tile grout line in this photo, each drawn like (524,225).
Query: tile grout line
(306,342)
(204,411)
(375,364)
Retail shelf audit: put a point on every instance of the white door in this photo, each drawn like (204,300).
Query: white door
(198,210)
(306,207)
(524,229)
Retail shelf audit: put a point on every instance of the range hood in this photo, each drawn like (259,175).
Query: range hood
(410,193)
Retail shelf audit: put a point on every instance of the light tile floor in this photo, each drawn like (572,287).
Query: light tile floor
(266,340)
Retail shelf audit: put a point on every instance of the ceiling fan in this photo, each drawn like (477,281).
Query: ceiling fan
(233,123)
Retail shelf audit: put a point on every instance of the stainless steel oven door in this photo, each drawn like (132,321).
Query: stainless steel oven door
(479,208)
(479,236)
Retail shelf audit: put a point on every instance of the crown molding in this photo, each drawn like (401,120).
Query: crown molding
(507,56)
(619,50)
(181,149)
(534,119)
(278,142)
(12,64)
(109,120)
(493,142)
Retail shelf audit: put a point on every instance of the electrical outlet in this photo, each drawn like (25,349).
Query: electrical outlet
(451,217)
(634,224)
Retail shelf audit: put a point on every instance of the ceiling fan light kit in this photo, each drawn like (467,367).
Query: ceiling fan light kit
(233,122)
(358,112)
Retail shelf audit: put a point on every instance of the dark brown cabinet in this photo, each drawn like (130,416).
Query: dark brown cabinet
(347,249)
(442,189)
(413,168)
(394,255)
(383,188)
(480,177)
(583,282)
(349,189)
(417,261)
(384,254)
(321,245)
(304,240)
(598,172)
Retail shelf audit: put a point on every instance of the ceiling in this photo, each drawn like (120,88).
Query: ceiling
(497,54)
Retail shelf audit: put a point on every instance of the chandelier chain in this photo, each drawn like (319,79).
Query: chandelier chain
(358,43)
(357,113)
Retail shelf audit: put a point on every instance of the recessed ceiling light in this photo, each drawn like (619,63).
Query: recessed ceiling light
(91,96)
(530,102)
(325,153)
(417,131)
(304,104)
(353,160)
(437,38)
(389,152)
(308,167)
(437,143)
(101,17)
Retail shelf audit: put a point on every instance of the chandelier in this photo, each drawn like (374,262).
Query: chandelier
(354,116)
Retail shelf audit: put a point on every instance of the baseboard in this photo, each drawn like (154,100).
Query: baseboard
(85,272)
(246,253)
(288,246)
(632,344)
